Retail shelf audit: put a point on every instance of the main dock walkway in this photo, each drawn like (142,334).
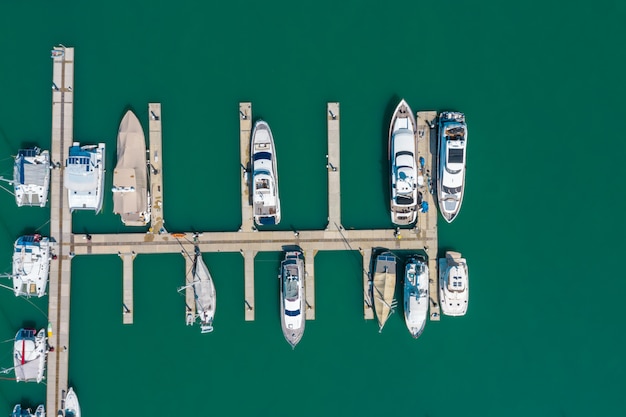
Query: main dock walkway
(60,228)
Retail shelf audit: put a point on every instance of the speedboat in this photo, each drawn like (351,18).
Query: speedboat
(292,297)
(72,407)
(84,177)
(204,294)
(384,287)
(452,147)
(265,199)
(29,355)
(131,199)
(404,194)
(416,295)
(18,411)
(453,284)
(31,177)
(31,265)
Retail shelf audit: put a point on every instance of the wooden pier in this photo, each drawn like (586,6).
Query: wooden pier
(156,168)
(127,286)
(332,165)
(60,229)
(427,222)
(245,130)
(190,299)
(248,260)
(309,281)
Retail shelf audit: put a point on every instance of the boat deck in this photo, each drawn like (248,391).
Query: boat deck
(157,220)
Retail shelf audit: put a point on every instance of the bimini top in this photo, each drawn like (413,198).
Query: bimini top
(84,176)
(31,177)
(130,178)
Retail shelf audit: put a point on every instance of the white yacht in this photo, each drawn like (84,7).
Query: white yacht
(451,163)
(384,287)
(72,407)
(131,199)
(31,265)
(29,355)
(453,284)
(292,297)
(265,198)
(204,294)
(31,177)
(84,176)
(18,411)
(416,297)
(402,151)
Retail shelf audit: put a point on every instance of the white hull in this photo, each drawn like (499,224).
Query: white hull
(292,297)
(29,355)
(453,284)
(265,197)
(130,178)
(31,265)
(204,294)
(416,297)
(384,287)
(451,163)
(402,160)
(31,177)
(84,177)
(72,407)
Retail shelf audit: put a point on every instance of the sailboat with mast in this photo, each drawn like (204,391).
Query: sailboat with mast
(204,294)
(384,286)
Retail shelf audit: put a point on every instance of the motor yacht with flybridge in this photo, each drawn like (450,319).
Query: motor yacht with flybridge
(292,296)
(265,197)
(453,284)
(451,163)
(416,294)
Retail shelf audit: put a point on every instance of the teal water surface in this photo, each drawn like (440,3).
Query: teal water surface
(543,90)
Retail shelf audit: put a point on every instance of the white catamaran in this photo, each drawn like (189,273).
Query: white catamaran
(204,294)
(292,296)
(384,287)
(265,198)
(18,411)
(31,177)
(402,147)
(31,265)
(453,284)
(451,160)
(84,177)
(131,199)
(29,355)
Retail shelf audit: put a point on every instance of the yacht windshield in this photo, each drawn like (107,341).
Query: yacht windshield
(455,156)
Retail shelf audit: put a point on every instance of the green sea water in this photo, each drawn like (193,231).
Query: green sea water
(542,85)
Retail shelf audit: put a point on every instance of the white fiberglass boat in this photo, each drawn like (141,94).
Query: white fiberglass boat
(31,177)
(416,295)
(265,198)
(72,407)
(384,287)
(131,199)
(453,284)
(402,148)
(18,411)
(292,297)
(31,265)
(84,177)
(451,161)
(204,294)
(29,355)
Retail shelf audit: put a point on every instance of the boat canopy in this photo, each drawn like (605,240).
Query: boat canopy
(262,155)
(455,155)
(78,176)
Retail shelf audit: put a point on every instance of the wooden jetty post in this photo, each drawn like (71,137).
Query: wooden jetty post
(245,130)
(332,165)
(248,257)
(127,286)
(309,290)
(426,227)
(156,168)
(60,228)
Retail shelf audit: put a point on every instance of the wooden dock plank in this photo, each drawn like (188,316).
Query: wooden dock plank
(190,300)
(332,164)
(309,266)
(157,220)
(368,310)
(427,222)
(245,130)
(248,256)
(127,287)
